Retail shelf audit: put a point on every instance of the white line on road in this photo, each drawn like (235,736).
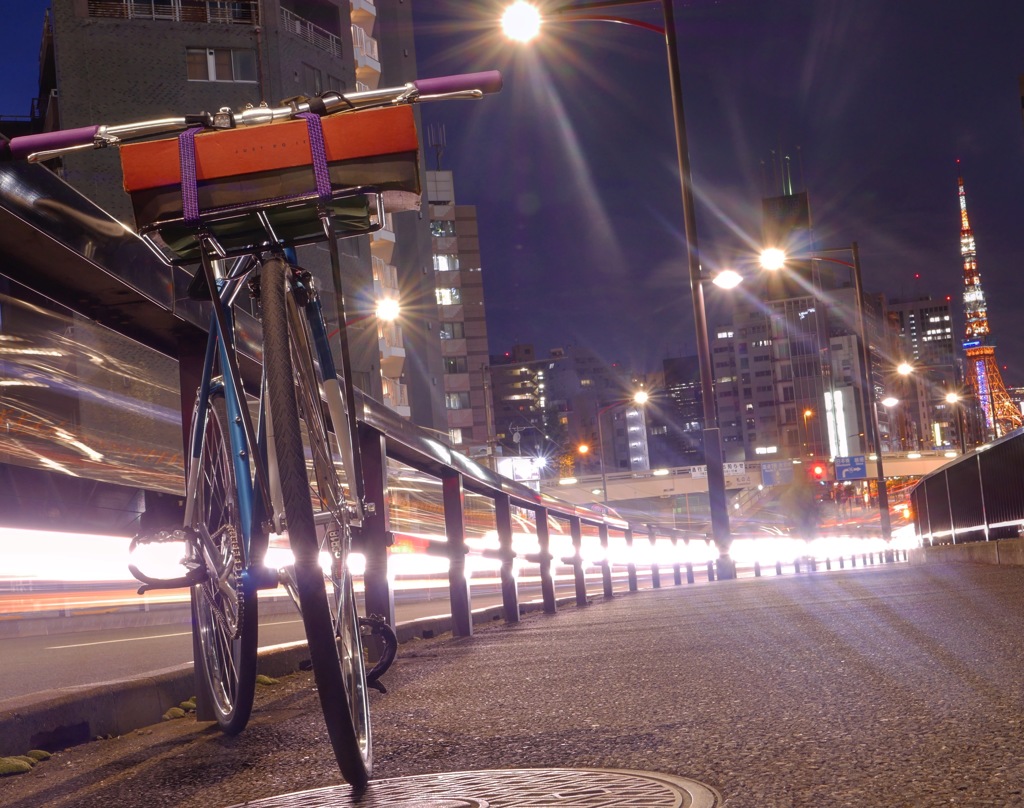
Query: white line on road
(151,637)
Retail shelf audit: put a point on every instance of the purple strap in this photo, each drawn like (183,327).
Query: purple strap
(189,188)
(187,157)
(319,152)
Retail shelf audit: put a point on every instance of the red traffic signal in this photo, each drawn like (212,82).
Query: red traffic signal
(819,471)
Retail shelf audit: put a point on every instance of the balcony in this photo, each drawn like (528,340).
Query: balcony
(391,346)
(242,12)
(396,396)
(367,56)
(313,34)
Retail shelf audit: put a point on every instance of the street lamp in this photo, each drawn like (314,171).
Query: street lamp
(775,259)
(525,21)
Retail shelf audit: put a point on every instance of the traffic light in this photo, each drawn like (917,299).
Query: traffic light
(819,471)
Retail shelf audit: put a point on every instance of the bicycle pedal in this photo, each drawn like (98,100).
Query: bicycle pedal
(155,554)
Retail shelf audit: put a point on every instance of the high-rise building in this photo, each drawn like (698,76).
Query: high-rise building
(675,415)
(926,343)
(462,322)
(788,367)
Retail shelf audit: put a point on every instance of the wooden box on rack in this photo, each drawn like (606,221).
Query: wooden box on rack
(374,147)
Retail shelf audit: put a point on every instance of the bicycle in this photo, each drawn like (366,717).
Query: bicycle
(246,479)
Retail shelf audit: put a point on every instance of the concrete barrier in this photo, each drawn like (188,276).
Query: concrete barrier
(1005,551)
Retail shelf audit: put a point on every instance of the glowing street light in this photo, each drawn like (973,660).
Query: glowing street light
(727,279)
(388,309)
(522,22)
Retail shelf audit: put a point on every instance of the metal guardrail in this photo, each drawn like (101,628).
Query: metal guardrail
(977,497)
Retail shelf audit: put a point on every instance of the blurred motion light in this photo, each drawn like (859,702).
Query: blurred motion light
(890,401)
(521,21)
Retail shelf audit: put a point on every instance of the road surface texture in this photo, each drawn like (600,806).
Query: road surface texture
(897,685)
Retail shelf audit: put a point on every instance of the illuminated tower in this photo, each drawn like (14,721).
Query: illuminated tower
(998,410)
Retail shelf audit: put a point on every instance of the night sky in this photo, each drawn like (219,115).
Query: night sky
(573,171)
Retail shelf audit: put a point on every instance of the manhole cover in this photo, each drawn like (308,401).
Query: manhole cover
(512,788)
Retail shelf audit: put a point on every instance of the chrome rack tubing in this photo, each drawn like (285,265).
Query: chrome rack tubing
(221,311)
(357,483)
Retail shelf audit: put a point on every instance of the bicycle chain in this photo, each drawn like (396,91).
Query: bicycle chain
(218,611)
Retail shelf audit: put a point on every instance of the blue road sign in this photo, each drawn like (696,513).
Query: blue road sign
(851,468)
(776,472)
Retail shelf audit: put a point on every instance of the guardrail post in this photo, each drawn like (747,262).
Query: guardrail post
(655,569)
(576,531)
(631,566)
(757,569)
(509,584)
(375,537)
(455,529)
(606,563)
(778,568)
(677,576)
(547,581)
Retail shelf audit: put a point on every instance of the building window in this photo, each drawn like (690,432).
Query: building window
(448,297)
(457,401)
(456,436)
(453,331)
(442,228)
(221,64)
(456,364)
(446,263)
(312,80)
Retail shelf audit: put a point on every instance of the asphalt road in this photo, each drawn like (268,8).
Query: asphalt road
(129,646)
(897,685)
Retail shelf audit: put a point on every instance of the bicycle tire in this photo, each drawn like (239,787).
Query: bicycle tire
(225,613)
(328,614)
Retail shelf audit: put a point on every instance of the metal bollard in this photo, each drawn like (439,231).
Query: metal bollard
(689,572)
(711,570)
(778,568)
(842,564)
(828,563)
(796,565)
(757,569)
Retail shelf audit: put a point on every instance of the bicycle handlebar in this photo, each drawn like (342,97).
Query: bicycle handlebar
(35,148)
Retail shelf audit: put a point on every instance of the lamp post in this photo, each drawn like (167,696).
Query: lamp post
(775,259)
(712,437)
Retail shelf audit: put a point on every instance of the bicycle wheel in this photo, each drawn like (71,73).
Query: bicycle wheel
(320,576)
(223,606)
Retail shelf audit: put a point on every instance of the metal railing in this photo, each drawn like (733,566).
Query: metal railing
(313,34)
(977,497)
(238,12)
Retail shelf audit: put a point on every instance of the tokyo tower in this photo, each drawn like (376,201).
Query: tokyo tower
(998,410)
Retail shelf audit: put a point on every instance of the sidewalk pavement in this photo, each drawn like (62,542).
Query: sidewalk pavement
(898,685)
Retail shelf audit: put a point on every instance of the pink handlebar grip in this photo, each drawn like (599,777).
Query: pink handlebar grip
(487,82)
(22,147)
